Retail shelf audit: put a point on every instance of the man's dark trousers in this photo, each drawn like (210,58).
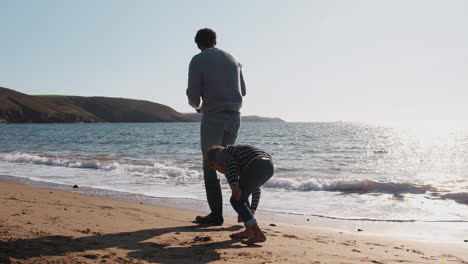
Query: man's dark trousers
(217,128)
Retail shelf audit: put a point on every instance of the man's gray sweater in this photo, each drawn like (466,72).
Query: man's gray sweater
(215,77)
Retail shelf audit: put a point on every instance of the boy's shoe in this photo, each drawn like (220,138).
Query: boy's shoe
(210,220)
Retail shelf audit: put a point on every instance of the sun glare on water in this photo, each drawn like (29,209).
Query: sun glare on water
(433,132)
(436,151)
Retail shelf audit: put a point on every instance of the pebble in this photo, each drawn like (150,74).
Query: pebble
(75,186)
(360,230)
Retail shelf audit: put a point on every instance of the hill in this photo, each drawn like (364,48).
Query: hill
(17,107)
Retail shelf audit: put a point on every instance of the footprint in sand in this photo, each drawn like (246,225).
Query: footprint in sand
(290,236)
(375,244)
(202,238)
(320,240)
(91,256)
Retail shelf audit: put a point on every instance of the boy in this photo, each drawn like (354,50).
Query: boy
(246,169)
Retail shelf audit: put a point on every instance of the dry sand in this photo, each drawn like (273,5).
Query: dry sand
(41,225)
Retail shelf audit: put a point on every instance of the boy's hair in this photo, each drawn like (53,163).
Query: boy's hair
(211,154)
(205,37)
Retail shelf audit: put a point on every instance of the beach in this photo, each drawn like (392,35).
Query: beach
(129,129)
(46,225)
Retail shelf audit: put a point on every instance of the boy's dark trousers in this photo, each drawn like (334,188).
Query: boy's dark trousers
(254,175)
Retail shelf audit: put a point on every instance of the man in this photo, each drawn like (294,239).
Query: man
(215,77)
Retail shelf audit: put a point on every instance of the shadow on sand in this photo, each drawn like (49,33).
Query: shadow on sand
(193,251)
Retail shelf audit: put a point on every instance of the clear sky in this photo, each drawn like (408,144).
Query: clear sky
(377,61)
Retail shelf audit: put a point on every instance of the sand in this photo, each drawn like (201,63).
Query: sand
(41,225)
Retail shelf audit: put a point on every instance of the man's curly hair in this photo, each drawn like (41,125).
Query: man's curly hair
(206,37)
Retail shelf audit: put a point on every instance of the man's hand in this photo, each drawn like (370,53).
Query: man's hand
(236,192)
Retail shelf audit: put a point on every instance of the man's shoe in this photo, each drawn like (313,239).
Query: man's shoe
(210,220)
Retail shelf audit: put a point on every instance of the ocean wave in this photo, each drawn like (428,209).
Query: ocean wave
(48,160)
(136,167)
(348,186)
(151,169)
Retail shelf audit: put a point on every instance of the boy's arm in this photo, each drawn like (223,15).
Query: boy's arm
(233,173)
(255,200)
(236,191)
(233,168)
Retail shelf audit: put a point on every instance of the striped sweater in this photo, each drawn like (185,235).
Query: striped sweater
(235,158)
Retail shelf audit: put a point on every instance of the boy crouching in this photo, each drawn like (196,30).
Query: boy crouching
(246,169)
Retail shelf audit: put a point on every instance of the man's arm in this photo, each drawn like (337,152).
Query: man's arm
(194,85)
(243,88)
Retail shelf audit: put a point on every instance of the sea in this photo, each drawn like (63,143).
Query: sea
(339,170)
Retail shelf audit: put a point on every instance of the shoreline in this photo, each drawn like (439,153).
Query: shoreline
(453,232)
(40,224)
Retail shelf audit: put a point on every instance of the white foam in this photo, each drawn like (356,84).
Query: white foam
(349,186)
(149,169)
(158,170)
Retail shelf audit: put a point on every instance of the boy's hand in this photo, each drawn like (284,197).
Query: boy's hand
(236,192)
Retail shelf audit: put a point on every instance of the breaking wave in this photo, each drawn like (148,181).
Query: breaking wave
(348,186)
(151,169)
(106,163)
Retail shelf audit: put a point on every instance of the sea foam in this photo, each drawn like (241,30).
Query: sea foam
(348,186)
(147,169)
(185,175)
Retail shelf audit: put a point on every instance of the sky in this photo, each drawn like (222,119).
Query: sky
(304,61)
